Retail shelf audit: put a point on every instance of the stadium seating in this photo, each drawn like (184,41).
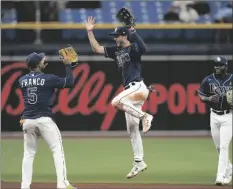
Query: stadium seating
(145,11)
(9,16)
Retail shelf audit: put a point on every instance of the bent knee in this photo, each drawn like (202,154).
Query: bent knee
(117,102)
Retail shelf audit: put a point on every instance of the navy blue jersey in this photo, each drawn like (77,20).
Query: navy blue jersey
(38,92)
(213,85)
(128,59)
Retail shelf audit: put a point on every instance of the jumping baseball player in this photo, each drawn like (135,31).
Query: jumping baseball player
(128,57)
(213,92)
(38,90)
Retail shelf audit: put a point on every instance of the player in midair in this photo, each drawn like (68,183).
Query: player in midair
(213,92)
(128,57)
(38,90)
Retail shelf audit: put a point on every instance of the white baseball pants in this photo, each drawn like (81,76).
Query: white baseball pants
(132,100)
(221,131)
(48,130)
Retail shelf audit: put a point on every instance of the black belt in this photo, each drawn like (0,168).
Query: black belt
(221,112)
(132,83)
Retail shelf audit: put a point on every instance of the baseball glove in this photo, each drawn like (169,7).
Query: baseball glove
(229,97)
(70,54)
(125,17)
(21,121)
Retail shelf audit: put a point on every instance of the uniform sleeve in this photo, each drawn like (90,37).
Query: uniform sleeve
(56,81)
(18,83)
(60,82)
(203,90)
(109,52)
(140,46)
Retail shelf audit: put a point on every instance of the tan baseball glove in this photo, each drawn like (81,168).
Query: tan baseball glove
(21,121)
(70,55)
(229,97)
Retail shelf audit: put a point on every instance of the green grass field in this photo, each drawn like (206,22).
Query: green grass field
(175,160)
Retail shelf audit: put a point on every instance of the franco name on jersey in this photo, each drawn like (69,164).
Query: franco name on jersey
(32,82)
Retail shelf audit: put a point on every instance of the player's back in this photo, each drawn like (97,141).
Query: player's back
(37,90)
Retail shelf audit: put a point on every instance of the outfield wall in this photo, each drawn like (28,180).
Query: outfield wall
(87,107)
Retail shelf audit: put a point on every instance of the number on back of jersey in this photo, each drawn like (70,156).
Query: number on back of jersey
(32,96)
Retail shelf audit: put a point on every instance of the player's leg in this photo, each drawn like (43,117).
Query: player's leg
(125,102)
(225,139)
(228,175)
(136,142)
(52,136)
(215,133)
(30,146)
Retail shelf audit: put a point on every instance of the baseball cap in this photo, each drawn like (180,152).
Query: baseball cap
(34,59)
(221,61)
(120,31)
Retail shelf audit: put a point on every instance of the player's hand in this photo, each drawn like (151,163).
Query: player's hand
(131,28)
(66,60)
(214,99)
(90,23)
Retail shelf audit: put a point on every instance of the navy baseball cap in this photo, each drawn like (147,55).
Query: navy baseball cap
(34,59)
(120,31)
(220,61)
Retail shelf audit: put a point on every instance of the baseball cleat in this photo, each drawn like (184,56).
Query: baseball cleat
(146,122)
(219,181)
(71,187)
(137,168)
(228,177)
(68,187)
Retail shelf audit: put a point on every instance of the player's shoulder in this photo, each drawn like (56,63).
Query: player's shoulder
(134,45)
(23,77)
(111,47)
(208,78)
(230,75)
(49,76)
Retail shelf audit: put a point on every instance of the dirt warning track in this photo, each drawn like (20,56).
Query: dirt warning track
(11,185)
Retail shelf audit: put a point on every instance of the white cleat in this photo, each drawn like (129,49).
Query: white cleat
(219,181)
(68,187)
(146,122)
(137,168)
(228,177)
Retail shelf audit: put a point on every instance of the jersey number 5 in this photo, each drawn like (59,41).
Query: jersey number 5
(32,96)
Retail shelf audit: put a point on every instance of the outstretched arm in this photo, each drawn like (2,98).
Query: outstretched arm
(96,47)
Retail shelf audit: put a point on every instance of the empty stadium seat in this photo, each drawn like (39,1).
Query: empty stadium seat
(9,16)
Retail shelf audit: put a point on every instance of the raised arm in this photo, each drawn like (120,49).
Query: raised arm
(134,37)
(90,25)
(62,82)
(69,79)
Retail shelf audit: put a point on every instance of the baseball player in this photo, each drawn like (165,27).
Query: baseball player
(213,91)
(38,90)
(128,57)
